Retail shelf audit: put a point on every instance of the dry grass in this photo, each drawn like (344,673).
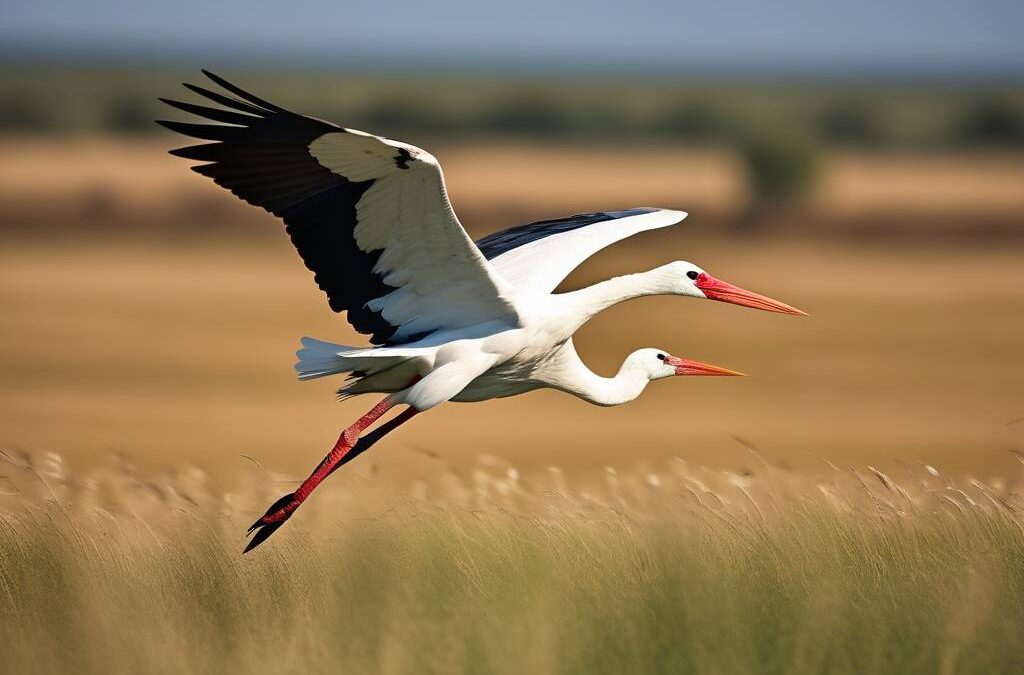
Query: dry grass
(680,570)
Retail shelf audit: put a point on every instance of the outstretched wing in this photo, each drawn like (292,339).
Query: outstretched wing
(368,215)
(535,258)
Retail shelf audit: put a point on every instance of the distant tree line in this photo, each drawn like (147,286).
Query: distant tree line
(986,120)
(777,135)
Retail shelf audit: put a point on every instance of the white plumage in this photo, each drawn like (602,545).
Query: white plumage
(441,278)
(540,265)
(451,319)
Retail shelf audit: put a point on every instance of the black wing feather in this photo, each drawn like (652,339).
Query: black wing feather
(226,116)
(241,93)
(497,243)
(208,132)
(224,100)
(263,157)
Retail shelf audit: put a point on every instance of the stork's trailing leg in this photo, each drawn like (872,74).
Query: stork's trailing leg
(348,447)
(436,387)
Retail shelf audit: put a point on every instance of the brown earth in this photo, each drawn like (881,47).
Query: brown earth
(183,354)
(123,335)
(132,186)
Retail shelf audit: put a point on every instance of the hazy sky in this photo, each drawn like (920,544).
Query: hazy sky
(937,35)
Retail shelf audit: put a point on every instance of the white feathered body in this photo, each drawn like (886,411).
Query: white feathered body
(447,367)
(488,361)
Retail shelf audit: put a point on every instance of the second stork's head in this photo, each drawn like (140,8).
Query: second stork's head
(657,364)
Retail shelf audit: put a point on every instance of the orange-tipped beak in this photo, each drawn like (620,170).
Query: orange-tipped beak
(691,367)
(716,289)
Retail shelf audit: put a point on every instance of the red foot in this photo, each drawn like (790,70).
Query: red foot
(283,508)
(274,518)
(280,515)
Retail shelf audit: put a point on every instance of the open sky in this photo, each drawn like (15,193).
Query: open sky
(939,36)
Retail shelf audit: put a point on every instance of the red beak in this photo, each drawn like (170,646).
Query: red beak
(716,289)
(691,367)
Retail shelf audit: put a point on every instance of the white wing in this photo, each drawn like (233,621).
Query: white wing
(535,258)
(369,216)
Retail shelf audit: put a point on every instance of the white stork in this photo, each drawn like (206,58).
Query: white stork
(450,319)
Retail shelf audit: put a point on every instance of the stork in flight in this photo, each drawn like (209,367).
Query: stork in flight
(450,319)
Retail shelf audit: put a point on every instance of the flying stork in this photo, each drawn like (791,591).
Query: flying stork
(449,319)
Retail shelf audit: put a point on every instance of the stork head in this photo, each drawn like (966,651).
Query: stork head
(688,279)
(660,364)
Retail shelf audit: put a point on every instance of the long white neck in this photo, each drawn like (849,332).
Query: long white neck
(575,378)
(577,307)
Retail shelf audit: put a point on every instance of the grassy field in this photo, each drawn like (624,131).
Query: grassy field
(716,525)
(487,570)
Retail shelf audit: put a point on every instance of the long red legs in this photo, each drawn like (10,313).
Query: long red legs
(348,447)
(366,442)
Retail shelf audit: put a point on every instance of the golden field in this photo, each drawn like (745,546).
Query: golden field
(497,184)
(130,328)
(853,506)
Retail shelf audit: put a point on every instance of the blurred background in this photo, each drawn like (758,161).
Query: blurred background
(863,161)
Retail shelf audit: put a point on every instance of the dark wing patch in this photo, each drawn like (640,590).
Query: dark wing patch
(261,154)
(403,158)
(497,243)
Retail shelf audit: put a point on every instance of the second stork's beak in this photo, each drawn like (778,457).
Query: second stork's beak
(723,291)
(691,367)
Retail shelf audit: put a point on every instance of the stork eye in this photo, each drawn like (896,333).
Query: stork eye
(661,357)
(693,274)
